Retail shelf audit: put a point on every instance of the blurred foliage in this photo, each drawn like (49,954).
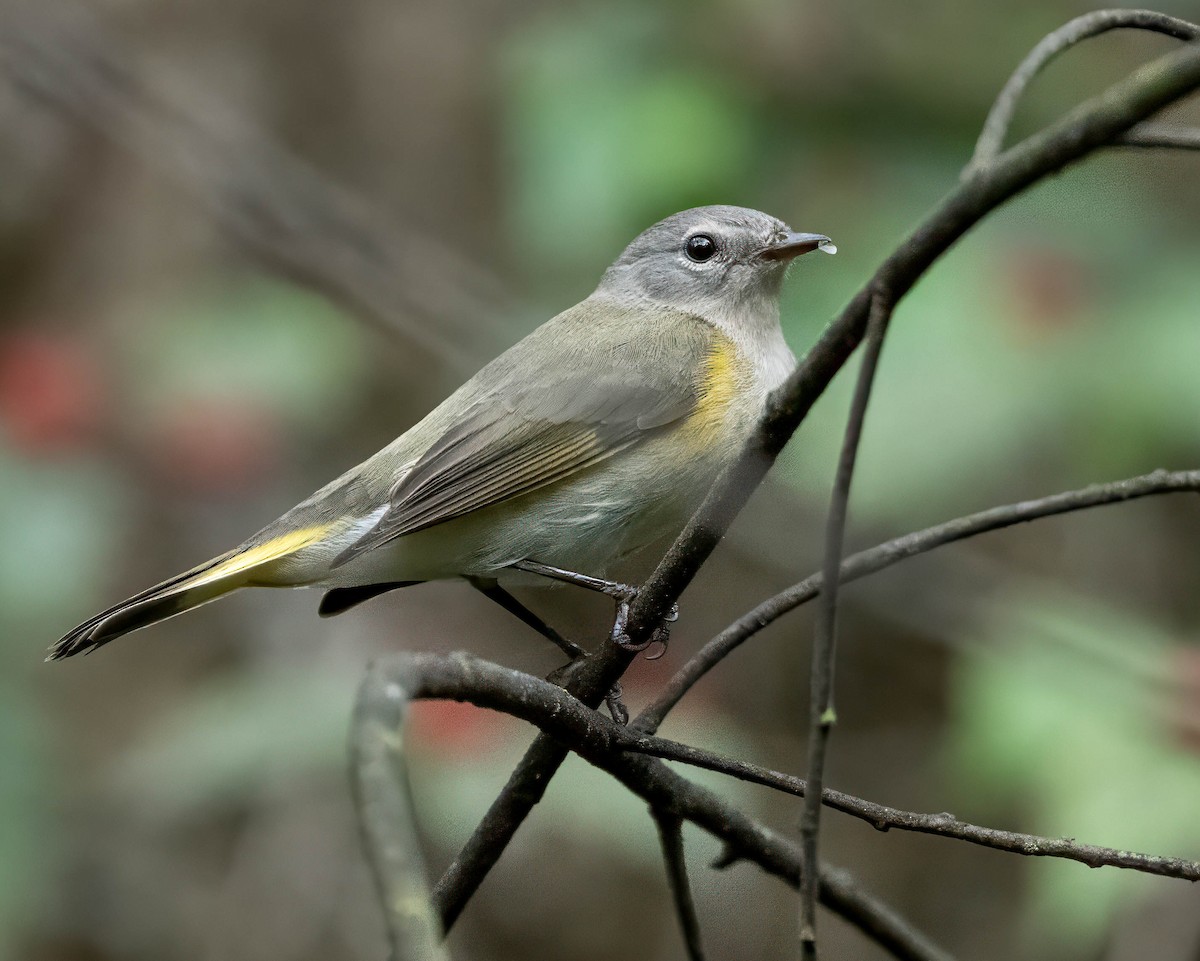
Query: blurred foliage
(160,400)
(654,135)
(1019,346)
(56,521)
(1063,717)
(265,344)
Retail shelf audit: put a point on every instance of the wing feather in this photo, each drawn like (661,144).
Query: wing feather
(516,437)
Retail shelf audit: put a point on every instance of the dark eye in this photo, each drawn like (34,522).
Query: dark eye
(700,247)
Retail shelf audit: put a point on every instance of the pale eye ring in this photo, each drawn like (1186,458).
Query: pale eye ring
(700,247)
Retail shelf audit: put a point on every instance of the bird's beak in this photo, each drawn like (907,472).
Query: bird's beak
(793,245)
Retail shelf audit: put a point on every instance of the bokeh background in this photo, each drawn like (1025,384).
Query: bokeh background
(165,390)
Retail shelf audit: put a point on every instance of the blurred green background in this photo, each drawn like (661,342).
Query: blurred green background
(182,794)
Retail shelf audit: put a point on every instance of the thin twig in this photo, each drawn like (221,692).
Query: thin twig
(385,811)
(875,559)
(999,118)
(600,741)
(1162,135)
(1093,124)
(822,714)
(670,834)
(882,817)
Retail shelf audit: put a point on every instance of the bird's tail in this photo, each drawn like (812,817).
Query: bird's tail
(246,565)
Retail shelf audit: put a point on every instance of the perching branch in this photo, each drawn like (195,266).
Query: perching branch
(599,741)
(384,805)
(608,746)
(999,118)
(670,835)
(891,552)
(1094,124)
(882,817)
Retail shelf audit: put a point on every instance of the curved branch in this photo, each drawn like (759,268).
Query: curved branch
(882,817)
(383,802)
(1094,124)
(891,552)
(999,118)
(463,677)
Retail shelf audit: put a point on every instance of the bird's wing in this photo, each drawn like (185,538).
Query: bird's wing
(550,408)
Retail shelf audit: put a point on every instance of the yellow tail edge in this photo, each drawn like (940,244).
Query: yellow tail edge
(209,581)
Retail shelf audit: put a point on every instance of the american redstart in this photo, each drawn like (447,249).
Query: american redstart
(596,435)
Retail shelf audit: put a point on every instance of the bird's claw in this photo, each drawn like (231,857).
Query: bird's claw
(661,634)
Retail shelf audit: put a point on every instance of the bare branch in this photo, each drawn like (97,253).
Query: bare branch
(599,741)
(1162,135)
(603,743)
(999,118)
(670,834)
(1093,124)
(384,804)
(875,559)
(882,818)
(822,715)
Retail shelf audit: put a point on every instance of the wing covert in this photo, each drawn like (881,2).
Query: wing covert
(516,437)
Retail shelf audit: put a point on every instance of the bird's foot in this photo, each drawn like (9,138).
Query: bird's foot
(661,635)
(623,594)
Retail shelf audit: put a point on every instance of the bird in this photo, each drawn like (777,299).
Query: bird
(594,436)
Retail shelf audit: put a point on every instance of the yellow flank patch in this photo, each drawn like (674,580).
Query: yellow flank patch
(260,554)
(719,386)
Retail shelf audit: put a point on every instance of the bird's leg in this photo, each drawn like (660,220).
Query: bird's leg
(623,594)
(489,588)
(613,589)
(493,591)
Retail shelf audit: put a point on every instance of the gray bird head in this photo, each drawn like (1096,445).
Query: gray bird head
(717,262)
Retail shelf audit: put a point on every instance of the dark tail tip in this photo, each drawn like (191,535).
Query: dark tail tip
(156,604)
(148,608)
(78,641)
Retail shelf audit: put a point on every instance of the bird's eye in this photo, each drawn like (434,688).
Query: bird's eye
(700,247)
